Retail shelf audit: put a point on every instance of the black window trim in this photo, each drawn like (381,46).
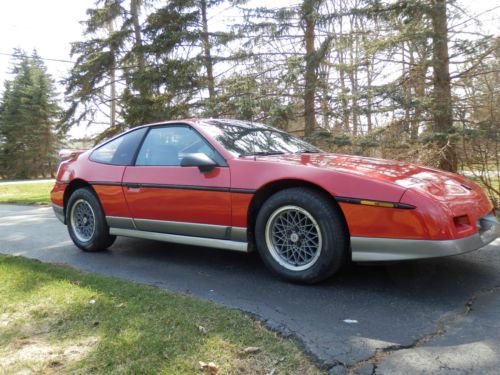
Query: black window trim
(178,124)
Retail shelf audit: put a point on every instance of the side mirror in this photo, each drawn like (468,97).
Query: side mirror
(200,160)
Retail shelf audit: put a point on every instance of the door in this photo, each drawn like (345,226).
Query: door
(165,197)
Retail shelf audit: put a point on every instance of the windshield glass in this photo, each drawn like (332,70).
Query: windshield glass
(243,138)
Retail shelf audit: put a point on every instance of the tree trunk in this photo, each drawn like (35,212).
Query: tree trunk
(325,107)
(442,109)
(353,66)
(135,6)
(310,76)
(369,79)
(407,81)
(419,76)
(112,78)
(113,97)
(343,89)
(207,57)
(345,107)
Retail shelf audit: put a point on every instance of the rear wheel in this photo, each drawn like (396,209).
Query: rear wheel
(87,225)
(301,236)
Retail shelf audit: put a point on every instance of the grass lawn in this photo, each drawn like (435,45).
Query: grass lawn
(37,193)
(54,319)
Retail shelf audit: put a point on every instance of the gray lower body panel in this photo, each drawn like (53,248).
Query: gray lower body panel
(218,236)
(59,212)
(369,249)
(184,240)
(120,222)
(183,229)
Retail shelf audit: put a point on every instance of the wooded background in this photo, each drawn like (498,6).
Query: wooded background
(411,80)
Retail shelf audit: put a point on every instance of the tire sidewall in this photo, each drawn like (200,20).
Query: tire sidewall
(100,236)
(333,251)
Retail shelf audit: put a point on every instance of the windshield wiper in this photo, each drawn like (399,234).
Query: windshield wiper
(307,152)
(263,153)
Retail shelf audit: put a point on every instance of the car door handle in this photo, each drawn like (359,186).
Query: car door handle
(132,186)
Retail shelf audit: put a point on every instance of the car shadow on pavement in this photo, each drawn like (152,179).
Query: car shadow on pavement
(441,278)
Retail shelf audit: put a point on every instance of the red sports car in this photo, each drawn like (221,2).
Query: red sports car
(238,185)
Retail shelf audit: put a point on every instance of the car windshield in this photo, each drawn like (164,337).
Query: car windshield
(243,138)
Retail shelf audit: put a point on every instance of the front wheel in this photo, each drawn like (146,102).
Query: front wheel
(301,236)
(87,225)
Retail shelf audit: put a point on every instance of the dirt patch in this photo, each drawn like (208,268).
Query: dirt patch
(30,355)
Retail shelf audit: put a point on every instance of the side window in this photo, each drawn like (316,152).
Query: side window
(119,151)
(166,146)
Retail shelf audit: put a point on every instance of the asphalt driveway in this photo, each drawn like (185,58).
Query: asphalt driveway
(436,316)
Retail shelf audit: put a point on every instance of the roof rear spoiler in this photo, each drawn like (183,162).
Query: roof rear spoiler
(69,154)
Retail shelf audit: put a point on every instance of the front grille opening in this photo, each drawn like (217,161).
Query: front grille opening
(462,222)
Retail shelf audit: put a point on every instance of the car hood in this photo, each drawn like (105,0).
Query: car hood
(428,181)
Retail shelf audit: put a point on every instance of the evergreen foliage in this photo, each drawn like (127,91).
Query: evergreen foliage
(163,61)
(374,77)
(29,115)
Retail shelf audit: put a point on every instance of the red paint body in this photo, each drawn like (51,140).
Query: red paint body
(438,197)
(179,204)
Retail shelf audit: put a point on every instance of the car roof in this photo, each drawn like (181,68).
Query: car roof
(214,121)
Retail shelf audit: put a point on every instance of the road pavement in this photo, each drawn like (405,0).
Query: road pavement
(435,316)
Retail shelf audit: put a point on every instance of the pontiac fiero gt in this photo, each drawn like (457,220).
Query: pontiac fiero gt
(239,185)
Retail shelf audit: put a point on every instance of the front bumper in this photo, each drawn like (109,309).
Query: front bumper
(369,249)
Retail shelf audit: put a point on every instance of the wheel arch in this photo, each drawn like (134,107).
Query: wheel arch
(100,239)
(266,191)
(74,185)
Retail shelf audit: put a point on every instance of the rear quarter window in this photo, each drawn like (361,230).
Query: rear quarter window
(119,151)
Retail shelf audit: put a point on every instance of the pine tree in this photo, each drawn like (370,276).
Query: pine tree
(163,56)
(292,33)
(28,118)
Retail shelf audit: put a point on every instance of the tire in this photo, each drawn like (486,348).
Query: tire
(301,236)
(87,225)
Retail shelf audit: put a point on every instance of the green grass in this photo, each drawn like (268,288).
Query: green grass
(37,193)
(54,319)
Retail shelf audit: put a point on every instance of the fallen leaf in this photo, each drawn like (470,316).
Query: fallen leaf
(202,330)
(250,350)
(95,323)
(121,305)
(92,300)
(209,367)
(272,372)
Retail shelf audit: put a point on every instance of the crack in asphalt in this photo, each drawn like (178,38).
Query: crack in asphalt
(283,331)
(381,353)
